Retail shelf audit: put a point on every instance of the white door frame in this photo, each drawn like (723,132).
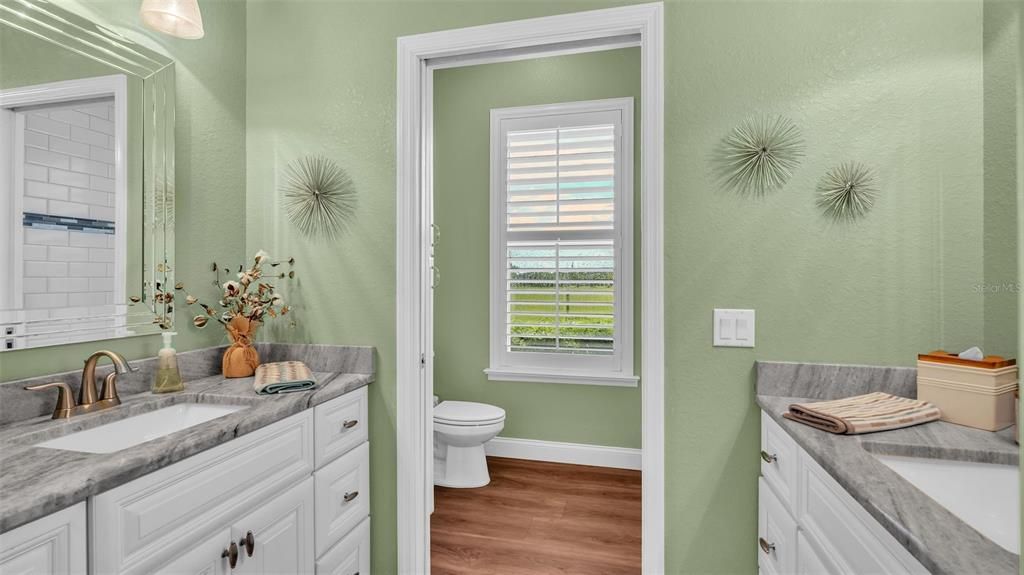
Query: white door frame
(641,25)
(116,86)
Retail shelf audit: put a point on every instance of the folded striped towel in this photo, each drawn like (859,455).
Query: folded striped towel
(863,413)
(283,377)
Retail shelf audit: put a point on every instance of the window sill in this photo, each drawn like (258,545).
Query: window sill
(608,379)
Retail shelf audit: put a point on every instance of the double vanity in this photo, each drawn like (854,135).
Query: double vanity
(933,498)
(214,479)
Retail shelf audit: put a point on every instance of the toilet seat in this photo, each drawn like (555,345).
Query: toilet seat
(467,413)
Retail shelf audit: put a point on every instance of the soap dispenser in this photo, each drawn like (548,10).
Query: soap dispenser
(167,377)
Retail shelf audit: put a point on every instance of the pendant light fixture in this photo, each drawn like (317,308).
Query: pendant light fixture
(178,18)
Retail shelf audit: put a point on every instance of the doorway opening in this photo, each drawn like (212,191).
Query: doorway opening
(419,56)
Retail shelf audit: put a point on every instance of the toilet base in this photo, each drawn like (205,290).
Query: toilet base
(461,467)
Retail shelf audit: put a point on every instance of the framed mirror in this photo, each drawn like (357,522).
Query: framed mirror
(86,180)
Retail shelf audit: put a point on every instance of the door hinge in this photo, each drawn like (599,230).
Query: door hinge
(423,360)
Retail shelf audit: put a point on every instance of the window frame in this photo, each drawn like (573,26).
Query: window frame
(615,369)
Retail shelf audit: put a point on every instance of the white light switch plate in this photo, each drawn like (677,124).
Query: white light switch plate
(734,328)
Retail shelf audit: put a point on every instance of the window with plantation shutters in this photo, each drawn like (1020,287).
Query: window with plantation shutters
(561,243)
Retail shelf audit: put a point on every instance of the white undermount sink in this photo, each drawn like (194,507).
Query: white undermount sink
(124,433)
(986,496)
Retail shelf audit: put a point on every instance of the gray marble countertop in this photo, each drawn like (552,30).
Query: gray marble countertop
(941,541)
(37,481)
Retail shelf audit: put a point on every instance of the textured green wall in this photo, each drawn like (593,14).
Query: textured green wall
(896,85)
(463,98)
(1000,64)
(209,175)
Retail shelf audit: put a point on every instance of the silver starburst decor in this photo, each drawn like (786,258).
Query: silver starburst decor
(760,155)
(847,192)
(319,196)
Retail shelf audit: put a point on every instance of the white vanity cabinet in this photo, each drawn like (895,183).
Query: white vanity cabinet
(295,493)
(52,545)
(809,525)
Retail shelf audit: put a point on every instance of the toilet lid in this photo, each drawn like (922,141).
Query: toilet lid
(456,412)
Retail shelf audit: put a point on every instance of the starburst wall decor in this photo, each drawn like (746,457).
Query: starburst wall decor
(319,196)
(847,192)
(760,155)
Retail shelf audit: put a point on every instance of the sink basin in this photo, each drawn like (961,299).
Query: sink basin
(137,429)
(986,496)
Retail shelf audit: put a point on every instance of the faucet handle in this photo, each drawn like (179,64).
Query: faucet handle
(65,399)
(109,390)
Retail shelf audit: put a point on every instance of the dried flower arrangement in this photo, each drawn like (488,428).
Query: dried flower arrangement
(245,302)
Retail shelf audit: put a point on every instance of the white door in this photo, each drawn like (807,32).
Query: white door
(208,557)
(281,535)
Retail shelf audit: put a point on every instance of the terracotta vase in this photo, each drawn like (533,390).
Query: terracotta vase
(241,359)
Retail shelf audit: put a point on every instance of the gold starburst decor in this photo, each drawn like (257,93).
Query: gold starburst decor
(847,192)
(760,155)
(319,196)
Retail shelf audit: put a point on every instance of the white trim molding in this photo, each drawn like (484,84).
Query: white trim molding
(524,38)
(560,452)
(550,376)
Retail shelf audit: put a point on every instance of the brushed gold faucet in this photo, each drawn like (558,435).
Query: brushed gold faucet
(87,397)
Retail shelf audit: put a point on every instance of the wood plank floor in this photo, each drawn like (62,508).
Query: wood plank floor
(538,518)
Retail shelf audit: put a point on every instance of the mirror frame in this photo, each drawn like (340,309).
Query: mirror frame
(154,310)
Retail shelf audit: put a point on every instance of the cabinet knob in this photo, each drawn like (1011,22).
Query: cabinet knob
(765,545)
(350,496)
(769,457)
(349,423)
(232,554)
(249,542)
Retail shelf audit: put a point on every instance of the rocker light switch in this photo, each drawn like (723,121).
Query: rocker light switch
(734,328)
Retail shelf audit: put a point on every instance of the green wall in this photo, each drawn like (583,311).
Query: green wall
(209,174)
(463,98)
(896,85)
(1000,66)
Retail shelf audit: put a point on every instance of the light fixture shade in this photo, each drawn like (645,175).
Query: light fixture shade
(178,18)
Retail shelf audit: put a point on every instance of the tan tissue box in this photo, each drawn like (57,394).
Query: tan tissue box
(973,393)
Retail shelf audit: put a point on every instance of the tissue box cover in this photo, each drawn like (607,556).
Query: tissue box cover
(973,393)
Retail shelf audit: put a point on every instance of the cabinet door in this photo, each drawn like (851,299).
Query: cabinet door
(808,562)
(204,558)
(282,533)
(51,545)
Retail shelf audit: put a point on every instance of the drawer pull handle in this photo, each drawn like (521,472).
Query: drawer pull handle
(765,545)
(349,423)
(769,457)
(350,496)
(232,554)
(249,542)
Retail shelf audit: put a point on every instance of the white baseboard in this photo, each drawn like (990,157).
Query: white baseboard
(558,452)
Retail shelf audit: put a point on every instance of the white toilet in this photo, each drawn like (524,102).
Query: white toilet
(460,430)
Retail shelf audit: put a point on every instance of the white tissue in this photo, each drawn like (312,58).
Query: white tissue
(974,353)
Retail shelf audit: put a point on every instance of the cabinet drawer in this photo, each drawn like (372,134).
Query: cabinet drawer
(776,532)
(847,534)
(148,520)
(779,459)
(342,496)
(341,424)
(54,545)
(351,556)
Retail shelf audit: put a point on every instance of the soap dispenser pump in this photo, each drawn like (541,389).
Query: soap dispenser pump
(168,379)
